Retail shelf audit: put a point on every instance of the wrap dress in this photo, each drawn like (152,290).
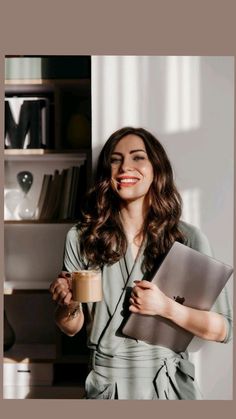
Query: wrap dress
(125,368)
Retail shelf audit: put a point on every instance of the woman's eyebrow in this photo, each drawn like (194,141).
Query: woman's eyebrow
(134,151)
(131,152)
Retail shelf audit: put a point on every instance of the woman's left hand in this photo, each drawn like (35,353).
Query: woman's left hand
(147,298)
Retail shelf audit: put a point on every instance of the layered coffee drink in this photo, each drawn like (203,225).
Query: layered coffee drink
(86,286)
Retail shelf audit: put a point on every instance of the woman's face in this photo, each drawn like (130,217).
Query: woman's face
(131,169)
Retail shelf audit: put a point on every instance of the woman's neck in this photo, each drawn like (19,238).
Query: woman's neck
(132,216)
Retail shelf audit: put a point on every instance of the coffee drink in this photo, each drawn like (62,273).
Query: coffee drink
(86,286)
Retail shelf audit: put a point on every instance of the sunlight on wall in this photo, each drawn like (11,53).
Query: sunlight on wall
(191,206)
(159,93)
(115,79)
(110,88)
(129,92)
(182,94)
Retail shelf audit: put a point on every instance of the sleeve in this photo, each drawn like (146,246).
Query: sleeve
(198,241)
(222,306)
(72,258)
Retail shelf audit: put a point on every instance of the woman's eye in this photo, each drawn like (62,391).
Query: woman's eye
(115,160)
(136,158)
(118,160)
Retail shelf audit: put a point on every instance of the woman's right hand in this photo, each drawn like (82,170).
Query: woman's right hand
(61,289)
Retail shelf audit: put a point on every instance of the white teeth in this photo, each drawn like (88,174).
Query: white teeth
(128,180)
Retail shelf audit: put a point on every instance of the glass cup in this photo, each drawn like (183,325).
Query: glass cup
(86,286)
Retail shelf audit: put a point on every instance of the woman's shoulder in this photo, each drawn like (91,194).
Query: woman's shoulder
(72,254)
(73,239)
(195,238)
(189,230)
(73,233)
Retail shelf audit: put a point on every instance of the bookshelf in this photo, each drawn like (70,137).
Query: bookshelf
(43,163)
(34,246)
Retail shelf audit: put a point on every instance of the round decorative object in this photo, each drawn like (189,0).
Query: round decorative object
(25,180)
(26,208)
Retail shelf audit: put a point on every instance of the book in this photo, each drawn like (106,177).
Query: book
(65,197)
(61,194)
(81,190)
(43,196)
(57,192)
(73,193)
(50,209)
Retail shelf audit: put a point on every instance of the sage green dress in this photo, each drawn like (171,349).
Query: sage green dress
(124,368)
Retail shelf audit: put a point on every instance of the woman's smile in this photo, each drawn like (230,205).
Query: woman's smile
(127,181)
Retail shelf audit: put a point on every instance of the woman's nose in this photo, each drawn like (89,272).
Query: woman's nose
(126,165)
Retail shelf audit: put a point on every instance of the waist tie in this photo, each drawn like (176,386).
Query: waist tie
(176,376)
(172,377)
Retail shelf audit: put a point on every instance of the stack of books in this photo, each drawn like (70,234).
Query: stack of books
(61,194)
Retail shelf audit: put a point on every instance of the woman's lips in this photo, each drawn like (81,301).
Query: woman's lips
(127,181)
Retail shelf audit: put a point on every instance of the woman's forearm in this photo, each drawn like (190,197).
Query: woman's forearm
(67,323)
(147,298)
(204,324)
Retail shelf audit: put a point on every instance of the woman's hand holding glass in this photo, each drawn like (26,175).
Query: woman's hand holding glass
(61,289)
(68,314)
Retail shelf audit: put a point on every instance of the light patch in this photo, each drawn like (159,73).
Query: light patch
(191,206)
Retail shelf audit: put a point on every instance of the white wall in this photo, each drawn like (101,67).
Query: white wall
(188,102)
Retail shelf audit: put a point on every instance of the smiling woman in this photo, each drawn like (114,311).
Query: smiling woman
(151,205)
(129,222)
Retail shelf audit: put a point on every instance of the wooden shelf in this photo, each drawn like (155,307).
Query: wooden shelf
(39,155)
(23,222)
(43,151)
(49,82)
(10,82)
(11,287)
(30,353)
(22,152)
(44,392)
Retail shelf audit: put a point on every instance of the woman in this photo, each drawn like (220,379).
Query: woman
(131,219)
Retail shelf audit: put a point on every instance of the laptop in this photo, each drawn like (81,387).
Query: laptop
(190,278)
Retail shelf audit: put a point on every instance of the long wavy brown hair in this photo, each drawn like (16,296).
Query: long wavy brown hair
(102,237)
